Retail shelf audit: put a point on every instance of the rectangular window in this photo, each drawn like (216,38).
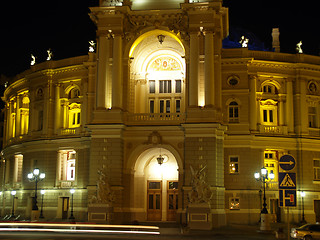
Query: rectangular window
(151,108)
(165,86)
(154,185)
(178,86)
(265,115)
(40,120)
(312,117)
(167,106)
(233,164)
(161,106)
(235,203)
(78,118)
(67,165)
(178,102)
(316,169)
(152,86)
(18,162)
(271,116)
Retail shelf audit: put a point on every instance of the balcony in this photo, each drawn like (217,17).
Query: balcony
(69,131)
(65,184)
(155,118)
(274,130)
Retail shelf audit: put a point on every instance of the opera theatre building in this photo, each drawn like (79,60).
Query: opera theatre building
(162,122)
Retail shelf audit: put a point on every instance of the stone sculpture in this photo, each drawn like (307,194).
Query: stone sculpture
(104,193)
(201,192)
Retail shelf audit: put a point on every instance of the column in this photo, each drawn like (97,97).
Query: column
(65,117)
(281,111)
(57,122)
(143,98)
(209,70)
(217,70)
(303,106)
(289,107)
(193,69)
(117,72)
(253,103)
(18,116)
(103,56)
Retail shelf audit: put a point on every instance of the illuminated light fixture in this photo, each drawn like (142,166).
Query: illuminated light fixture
(160,160)
(161,38)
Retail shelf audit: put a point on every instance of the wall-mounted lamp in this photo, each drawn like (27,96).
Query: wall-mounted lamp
(161,38)
(160,160)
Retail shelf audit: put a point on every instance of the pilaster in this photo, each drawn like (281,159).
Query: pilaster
(253,103)
(209,69)
(194,69)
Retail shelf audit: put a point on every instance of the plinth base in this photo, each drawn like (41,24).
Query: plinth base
(199,216)
(35,214)
(265,222)
(101,213)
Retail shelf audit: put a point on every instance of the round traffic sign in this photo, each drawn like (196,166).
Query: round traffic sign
(287,162)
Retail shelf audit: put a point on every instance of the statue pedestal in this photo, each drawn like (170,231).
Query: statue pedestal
(199,216)
(35,214)
(265,222)
(100,213)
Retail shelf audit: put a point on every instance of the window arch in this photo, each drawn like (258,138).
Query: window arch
(270,87)
(74,93)
(233,112)
(269,112)
(74,115)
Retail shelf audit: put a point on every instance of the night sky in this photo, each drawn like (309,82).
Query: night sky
(65,27)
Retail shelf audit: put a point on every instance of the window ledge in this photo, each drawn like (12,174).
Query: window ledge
(316,181)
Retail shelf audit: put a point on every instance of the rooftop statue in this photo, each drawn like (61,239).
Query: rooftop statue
(201,192)
(299,47)
(92,46)
(244,41)
(33,61)
(50,54)
(108,3)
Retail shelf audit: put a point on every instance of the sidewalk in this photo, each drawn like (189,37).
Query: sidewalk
(228,232)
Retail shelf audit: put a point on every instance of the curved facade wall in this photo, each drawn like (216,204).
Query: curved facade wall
(185,98)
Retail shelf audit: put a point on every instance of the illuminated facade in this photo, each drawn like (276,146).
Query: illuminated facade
(160,83)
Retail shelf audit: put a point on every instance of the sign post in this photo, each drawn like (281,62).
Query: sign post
(287,185)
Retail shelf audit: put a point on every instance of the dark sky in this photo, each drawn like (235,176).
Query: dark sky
(64,26)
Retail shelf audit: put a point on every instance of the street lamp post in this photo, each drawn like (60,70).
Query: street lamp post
(13,193)
(72,191)
(303,194)
(35,177)
(42,194)
(263,177)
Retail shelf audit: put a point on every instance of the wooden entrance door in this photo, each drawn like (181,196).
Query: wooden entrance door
(154,201)
(172,200)
(65,207)
(317,210)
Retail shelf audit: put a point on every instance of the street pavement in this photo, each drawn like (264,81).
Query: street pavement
(237,232)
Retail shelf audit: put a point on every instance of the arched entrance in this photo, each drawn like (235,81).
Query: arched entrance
(156,187)
(157,73)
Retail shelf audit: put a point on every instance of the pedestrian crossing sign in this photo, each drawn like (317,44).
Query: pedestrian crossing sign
(287,180)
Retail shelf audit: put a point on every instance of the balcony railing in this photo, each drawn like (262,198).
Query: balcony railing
(66,184)
(273,129)
(69,131)
(156,118)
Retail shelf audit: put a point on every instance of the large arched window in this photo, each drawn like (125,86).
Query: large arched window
(233,113)
(165,85)
(269,112)
(73,107)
